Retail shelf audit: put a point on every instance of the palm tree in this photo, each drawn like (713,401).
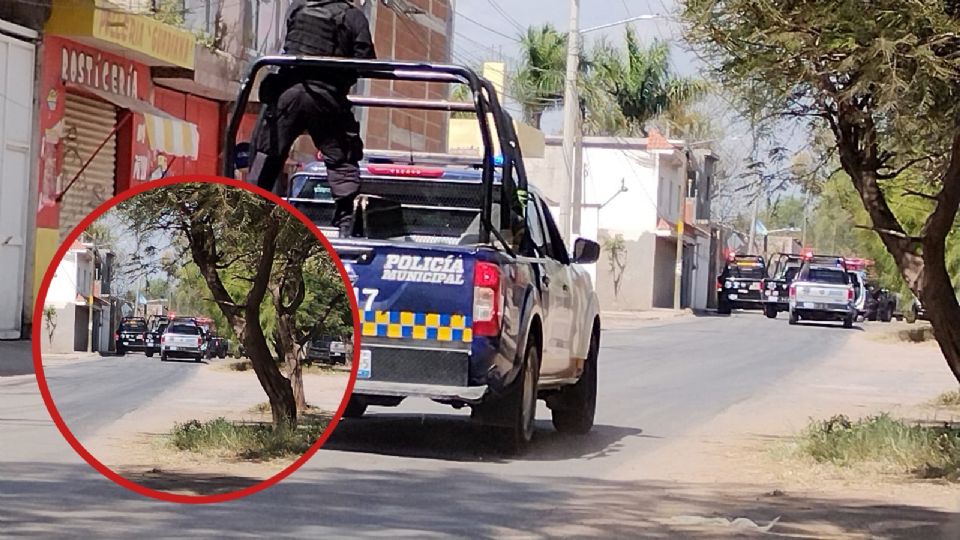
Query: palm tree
(641,84)
(538,83)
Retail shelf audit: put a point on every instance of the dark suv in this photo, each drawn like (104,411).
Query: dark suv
(740,285)
(131,335)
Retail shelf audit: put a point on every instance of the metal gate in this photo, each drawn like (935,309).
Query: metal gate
(16,132)
(88,123)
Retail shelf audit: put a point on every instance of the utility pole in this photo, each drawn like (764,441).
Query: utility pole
(753,220)
(678,276)
(578,176)
(571,109)
(93,274)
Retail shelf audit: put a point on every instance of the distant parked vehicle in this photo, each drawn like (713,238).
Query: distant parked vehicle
(131,335)
(182,340)
(157,326)
(327,350)
(823,293)
(740,284)
(915,312)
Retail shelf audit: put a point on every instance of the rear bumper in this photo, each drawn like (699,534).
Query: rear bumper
(469,394)
(182,353)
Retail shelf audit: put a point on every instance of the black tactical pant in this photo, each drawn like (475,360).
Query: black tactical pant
(335,132)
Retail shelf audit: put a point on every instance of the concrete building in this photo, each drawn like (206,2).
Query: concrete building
(78,291)
(639,196)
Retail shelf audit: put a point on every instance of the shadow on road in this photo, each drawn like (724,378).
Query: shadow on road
(44,500)
(835,326)
(455,438)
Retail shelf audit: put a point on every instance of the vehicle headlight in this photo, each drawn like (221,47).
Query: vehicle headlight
(729,285)
(771,286)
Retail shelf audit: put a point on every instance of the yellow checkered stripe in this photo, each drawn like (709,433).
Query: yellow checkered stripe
(418,326)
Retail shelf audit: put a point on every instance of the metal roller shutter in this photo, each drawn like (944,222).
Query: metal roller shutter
(88,123)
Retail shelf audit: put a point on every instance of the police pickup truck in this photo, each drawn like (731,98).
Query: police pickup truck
(467,291)
(823,292)
(776,289)
(740,285)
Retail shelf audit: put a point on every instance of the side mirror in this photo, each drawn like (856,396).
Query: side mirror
(585,251)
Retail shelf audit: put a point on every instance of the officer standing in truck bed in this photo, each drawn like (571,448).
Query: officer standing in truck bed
(299,100)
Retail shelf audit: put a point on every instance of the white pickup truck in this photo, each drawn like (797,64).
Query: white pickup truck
(822,293)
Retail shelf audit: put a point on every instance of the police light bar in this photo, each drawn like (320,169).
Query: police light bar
(408,171)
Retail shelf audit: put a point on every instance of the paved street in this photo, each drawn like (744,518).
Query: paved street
(419,469)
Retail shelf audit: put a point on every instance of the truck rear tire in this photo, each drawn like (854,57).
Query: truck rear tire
(149,354)
(770,311)
(723,307)
(848,321)
(794,319)
(355,408)
(577,405)
(886,314)
(522,403)
(163,357)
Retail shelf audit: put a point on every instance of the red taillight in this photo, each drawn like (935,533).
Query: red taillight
(117,336)
(412,171)
(163,338)
(850,295)
(719,285)
(793,291)
(486,299)
(199,341)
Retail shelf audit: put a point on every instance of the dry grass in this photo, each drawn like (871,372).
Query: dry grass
(948,399)
(885,442)
(248,441)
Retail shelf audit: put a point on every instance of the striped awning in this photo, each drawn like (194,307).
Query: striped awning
(165,132)
(172,136)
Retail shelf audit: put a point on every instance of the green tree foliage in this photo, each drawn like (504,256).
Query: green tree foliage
(882,77)
(641,83)
(538,83)
(245,250)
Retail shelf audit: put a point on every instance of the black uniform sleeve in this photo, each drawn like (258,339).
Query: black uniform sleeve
(359,26)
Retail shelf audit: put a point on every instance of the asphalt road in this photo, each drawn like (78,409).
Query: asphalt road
(420,470)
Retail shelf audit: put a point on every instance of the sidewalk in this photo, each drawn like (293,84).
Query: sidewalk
(611,320)
(16,358)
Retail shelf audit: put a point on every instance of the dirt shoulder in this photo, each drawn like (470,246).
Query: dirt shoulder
(744,459)
(135,446)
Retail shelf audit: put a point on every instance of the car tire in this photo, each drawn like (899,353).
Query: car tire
(163,357)
(355,408)
(121,351)
(149,354)
(723,307)
(770,311)
(910,317)
(222,355)
(522,403)
(578,403)
(793,319)
(885,315)
(848,321)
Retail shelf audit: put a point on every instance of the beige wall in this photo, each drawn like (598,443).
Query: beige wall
(636,290)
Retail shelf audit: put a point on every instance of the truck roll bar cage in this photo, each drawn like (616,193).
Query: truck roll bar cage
(485,102)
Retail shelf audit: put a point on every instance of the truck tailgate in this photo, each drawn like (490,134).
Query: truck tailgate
(821,293)
(416,310)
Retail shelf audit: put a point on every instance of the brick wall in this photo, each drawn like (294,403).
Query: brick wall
(413,37)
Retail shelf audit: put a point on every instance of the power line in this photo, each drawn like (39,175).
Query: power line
(485,27)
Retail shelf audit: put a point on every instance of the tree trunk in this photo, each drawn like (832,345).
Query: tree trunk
(940,302)
(279,391)
(536,117)
(291,358)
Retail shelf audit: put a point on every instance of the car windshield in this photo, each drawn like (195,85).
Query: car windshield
(828,275)
(184,329)
(747,268)
(133,326)
(404,210)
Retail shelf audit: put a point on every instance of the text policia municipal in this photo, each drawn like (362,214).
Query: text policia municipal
(414,268)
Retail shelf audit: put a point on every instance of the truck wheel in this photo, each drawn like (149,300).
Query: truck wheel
(848,321)
(770,311)
(222,355)
(163,357)
(523,402)
(578,403)
(885,315)
(723,307)
(355,408)
(149,354)
(910,316)
(794,319)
